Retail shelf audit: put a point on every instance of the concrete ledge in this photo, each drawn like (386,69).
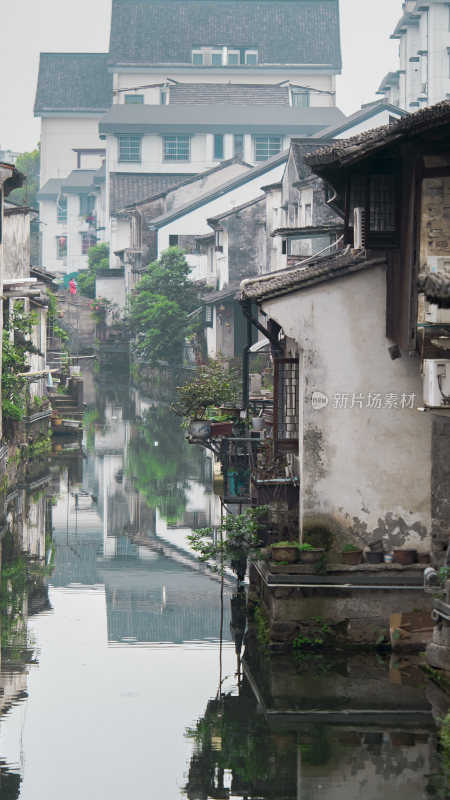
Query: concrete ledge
(384,576)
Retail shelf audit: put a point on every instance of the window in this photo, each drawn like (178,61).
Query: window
(61,247)
(163,97)
(130,148)
(197,58)
(208,316)
(134,99)
(176,148)
(300,98)
(173,240)
(308,214)
(239,145)
(218,240)
(87,240)
(216,58)
(233,57)
(218,146)
(284,246)
(251,57)
(382,203)
(61,208)
(87,204)
(266,146)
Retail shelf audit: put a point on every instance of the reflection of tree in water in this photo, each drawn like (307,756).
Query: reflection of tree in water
(232,736)
(160,463)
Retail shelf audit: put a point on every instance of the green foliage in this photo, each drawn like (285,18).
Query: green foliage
(305,546)
(318,535)
(161,474)
(98,258)
(262,625)
(315,636)
(16,345)
(40,448)
(349,548)
(29,164)
(213,384)
(237,538)
(158,311)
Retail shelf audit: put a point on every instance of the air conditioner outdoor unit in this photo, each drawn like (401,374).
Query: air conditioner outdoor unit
(436,383)
(436,315)
(359,228)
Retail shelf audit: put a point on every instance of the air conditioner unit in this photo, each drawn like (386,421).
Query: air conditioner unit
(438,263)
(359,228)
(436,315)
(436,383)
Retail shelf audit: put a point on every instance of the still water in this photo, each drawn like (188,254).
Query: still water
(123,676)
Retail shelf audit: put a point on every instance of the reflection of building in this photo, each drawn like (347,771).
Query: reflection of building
(304,729)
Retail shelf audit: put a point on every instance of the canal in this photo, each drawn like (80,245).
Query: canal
(123,674)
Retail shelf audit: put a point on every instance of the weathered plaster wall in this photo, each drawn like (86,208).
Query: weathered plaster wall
(365,470)
(435,221)
(16,245)
(244,229)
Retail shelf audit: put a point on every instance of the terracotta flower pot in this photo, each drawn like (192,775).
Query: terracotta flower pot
(287,553)
(222,428)
(311,556)
(405,555)
(351,557)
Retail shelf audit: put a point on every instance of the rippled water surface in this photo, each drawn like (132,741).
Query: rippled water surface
(122,675)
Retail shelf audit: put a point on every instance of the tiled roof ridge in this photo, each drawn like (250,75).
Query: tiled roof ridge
(409,124)
(309,272)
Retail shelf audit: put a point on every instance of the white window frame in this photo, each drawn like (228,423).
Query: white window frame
(274,146)
(134,148)
(174,152)
(251,53)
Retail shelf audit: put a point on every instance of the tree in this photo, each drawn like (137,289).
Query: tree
(98,258)
(158,311)
(169,276)
(29,164)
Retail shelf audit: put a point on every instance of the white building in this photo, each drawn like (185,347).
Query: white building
(423,78)
(277,69)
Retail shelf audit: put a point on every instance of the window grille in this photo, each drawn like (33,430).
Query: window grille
(87,240)
(129,148)
(266,146)
(134,99)
(62,208)
(176,148)
(286,403)
(382,203)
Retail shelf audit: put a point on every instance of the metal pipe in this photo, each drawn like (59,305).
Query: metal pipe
(245,365)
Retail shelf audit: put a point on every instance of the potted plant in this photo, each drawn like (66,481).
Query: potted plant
(309,554)
(405,555)
(374,556)
(237,540)
(285,551)
(212,385)
(351,554)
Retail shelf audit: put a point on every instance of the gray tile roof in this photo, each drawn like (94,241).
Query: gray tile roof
(285,32)
(51,189)
(229,94)
(362,115)
(218,191)
(345,151)
(73,82)
(218,118)
(128,188)
(306,274)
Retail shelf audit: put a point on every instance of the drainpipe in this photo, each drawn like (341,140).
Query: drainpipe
(246,306)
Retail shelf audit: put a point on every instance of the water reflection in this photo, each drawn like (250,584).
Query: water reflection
(352,728)
(122,675)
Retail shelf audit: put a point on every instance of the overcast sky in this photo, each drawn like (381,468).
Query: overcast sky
(62,25)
